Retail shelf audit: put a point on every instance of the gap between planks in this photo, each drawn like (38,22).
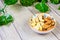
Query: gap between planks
(22,16)
(34,11)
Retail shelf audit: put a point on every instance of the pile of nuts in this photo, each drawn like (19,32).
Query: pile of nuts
(42,22)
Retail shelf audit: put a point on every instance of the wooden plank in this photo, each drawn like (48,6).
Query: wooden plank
(9,33)
(55,10)
(55,32)
(1,4)
(21,15)
(54,6)
(0,37)
(33,10)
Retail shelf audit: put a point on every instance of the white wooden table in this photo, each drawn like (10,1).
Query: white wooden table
(19,29)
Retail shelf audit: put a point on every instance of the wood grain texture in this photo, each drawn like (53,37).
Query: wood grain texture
(55,11)
(9,33)
(54,7)
(55,32)
(21,16)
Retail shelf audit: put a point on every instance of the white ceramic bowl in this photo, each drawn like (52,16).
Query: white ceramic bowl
(44,32)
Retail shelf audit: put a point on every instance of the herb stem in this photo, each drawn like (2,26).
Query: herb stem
(3,10)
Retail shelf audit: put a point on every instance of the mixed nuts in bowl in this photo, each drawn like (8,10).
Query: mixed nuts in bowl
(42,23)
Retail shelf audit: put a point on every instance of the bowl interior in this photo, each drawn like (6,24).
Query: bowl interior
(43,32)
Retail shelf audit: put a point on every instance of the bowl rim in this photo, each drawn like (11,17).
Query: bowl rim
(44,31)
